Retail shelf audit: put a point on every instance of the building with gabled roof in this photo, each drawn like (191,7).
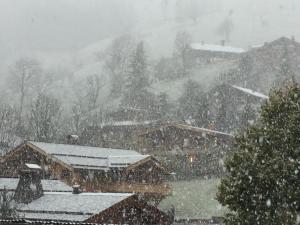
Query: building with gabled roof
(188,151)
(104,208)
(95,169)
(10,184)
(116,134)
(32,203)
(208,53)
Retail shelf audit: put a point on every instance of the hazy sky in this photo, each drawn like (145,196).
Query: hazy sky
(68,25)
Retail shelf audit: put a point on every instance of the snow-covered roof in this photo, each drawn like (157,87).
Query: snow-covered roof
(119,161)
(204,130)
(128,123)
(216,48)
(33,166)
(48,185)
(42,221)
(250,92)
(70,207)
(87,157)
(192,128)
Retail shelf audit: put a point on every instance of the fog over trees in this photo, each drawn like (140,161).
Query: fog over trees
(79,77)
(209,87)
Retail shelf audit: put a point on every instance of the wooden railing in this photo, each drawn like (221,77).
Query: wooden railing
(160,189)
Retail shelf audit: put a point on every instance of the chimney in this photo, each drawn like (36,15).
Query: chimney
(293,38)
(72,139)
(30,186)
(76,189)
(223,42)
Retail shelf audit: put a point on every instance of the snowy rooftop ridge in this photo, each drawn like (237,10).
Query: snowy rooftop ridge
(251,92)
(128,123)
(59,206)
(33,166)
(11,184)
(201,129)
(86,157)
(216,48)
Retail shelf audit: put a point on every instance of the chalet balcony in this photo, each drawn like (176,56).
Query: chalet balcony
(159,189)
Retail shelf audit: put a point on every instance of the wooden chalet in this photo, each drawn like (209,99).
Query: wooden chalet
(94,169)
(203,53)
(117,134)
(102,208)
(186,149)
(34,203)
(10,184)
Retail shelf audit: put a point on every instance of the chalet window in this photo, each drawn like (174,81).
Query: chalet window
(186,142)
(65,173)
(91,174)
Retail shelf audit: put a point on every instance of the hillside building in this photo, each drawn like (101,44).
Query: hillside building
(94,169)
(60,204)
(191,151)
(202,53)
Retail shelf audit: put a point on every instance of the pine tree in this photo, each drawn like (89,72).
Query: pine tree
(163,107)
(285,69)
(263,181)
(181,54)
(193,104)
(137,79)
(44,118)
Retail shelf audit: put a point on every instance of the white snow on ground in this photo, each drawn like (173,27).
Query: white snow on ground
(251,92)
(194,199)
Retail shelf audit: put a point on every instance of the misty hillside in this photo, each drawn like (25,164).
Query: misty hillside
(261,67)
(146,68)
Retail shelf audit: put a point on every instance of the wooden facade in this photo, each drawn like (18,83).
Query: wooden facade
(120,134)
(201,53)
(131,211)
(146,176)
(187,150)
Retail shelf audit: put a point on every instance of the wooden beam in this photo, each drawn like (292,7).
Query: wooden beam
(156,163)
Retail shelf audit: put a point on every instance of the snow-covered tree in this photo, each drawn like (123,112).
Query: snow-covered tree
(263,181)
(164,107)
(8,127)
(23,75)
(136,94)
(226,27)
(7,209)
(181,54)
(117,61)
(285,69)
(193,105)
(165,69)
(45,118)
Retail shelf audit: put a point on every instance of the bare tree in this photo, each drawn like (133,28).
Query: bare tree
(8,127)
(87,107)
(181,54)
(23,74)
(45,118)
(7,207)
(226,27)
(94,86)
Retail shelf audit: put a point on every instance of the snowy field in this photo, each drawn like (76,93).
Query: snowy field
(194,199)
